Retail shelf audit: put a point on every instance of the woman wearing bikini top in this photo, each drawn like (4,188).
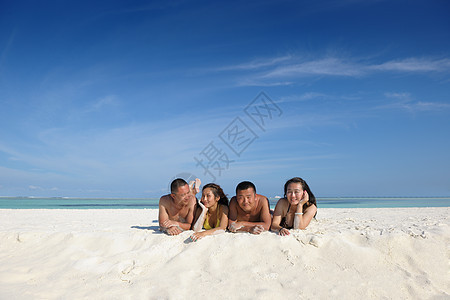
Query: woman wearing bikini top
(212,212)
(296,209)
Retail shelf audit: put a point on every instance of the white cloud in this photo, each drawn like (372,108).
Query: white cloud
(253,82)
(284,70)
(304,97)
(426,106)
(402,96)
(256,64)
(110,100)
(35,188)
(149,152)
(414,65)
(327,66)
(405,101)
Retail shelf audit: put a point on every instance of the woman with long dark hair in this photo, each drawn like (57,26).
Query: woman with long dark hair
(296,209)
(211,213)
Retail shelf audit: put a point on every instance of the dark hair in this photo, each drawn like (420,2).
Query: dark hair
(218,192)
(312,198)
(179,182)
(245,185)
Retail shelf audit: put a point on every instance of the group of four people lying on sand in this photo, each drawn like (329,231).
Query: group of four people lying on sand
(246,212)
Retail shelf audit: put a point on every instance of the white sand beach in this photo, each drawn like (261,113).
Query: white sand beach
(372,253)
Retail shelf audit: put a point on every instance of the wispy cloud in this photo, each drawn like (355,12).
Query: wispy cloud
(327,66)
(420,106)
(405,101)
(33,188)
(261,83)
(153,151)
(304,97)
(99,104)
(285,70)
(397,95)
(321,97)
(427,106)
(257,64)
(414,65)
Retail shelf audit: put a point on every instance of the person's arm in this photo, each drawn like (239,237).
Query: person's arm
(265,216)
(165,223)
(200,215)
(182,225)
(220,229)
(189,216)
(163,216)
(303,218)
(168,225)
(277,216)
(233,225)
(257,227)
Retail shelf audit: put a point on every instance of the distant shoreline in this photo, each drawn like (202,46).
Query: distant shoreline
(271,198)
(151,203)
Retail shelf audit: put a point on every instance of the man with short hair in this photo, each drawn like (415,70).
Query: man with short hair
(249,211)
(176,210)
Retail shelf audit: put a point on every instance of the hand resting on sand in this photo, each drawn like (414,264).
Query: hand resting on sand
(235,226)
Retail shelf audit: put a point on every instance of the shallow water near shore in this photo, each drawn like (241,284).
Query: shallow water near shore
(146,203)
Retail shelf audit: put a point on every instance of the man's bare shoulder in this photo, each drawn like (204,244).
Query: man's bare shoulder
(165,200)
(262,200)
(261,196)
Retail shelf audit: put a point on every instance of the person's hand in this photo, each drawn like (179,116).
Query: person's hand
(235,226)
(305,198)
(174,230)
(283,232)
(169,223)
(196,236)
(202,205)
(257,229)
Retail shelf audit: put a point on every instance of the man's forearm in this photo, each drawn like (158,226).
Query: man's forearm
(184,226)
(249,225)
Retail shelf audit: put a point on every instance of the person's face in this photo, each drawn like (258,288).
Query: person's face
(182,195)
(246,198)
(294,193)
(208,198)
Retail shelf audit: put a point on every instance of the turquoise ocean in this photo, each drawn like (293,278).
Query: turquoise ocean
(149,203)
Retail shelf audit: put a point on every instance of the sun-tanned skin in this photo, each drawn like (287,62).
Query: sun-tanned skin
(292,209)
(249,212)
(209,204)
(176,210)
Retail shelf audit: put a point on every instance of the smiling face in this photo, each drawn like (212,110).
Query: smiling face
(208,198)
(182,195)
(246,199)
(294,193)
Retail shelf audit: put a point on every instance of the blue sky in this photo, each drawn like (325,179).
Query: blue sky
(115,98)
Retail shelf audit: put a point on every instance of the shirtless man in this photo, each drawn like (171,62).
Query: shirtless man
(248,211)
(176,210)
